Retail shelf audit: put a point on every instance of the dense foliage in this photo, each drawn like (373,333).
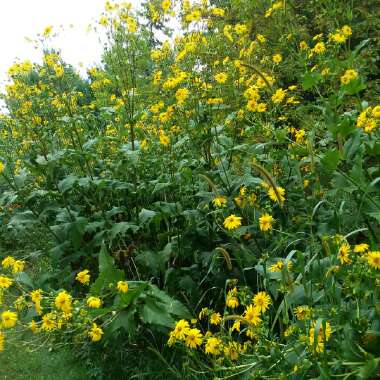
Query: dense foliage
(199,206)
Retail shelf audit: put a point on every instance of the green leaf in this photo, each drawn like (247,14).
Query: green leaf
(309,80)
(146,215)
(67,183)
(122,228)
(330,159)
(24,279)
(124,320)
(155,313)
(105,260)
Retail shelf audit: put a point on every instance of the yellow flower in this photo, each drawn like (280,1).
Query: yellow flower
(95,333)
(5,282)
(48,322)
(122,286)
(346,30)
(265,222)
(18,266)
(343,254)
(213,346)
(181,95)
(103,21)
(193,338)
(339,38)
(376,112)
(232,222)
(83,277)
(319,48)
(219,201)
(180,330)
(278,96)
(63,302)
(164,140)
(348,76)
(278,196)
(2,339)
(252,315)
(8,319)
(231,300)
(303,45)
(323,335)
(221,77)
(215,318)
(261,38)
(277,58)
(241,29)
(236,326)
(165,5)
(277,267)
(36,295)
(94,302)
(232,350)
(47,31)
(8,261)
(302,312)
(261,107)
(361,248)
(373,259)
(261,301)
(59,71)
(33,326)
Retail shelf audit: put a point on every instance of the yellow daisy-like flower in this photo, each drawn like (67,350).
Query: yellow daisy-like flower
(215,318)
(319,48)
(8,319)
(213,346)
(5,282)
(266,222)
(180,330)
(33,326)
(221,77)
(164,139)
(262,301)
(94,302)
(373,259)
(232,222)
(277,267)
(277,58)
(361,248)
(18,266)
(346,30)
(122,286)
(219,201)
(48,322)
(232,301)
(8,262)
(193,338)
(2,340)
(203,312)
(302,312)
(83,277)
(63,302)
(344,254)
(278,96)
(323,336)
(252,315)
(95,333)
(278,196)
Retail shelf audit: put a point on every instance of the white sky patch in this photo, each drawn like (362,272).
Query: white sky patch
(21,20)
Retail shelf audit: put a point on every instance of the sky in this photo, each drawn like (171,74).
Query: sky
(26,18)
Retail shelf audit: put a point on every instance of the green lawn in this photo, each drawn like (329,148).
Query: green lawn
(16,363)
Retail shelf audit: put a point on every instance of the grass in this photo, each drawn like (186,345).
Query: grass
(18,363)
